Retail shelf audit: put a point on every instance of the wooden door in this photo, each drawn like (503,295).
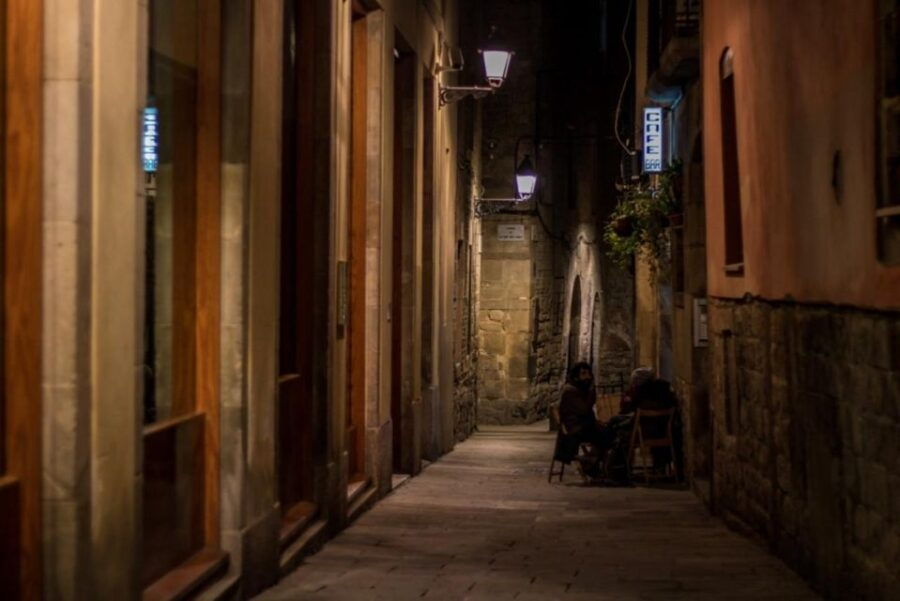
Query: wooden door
(20,309)
(356,394)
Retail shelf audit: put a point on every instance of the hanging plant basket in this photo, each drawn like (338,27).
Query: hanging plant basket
(640,220)
(624,226)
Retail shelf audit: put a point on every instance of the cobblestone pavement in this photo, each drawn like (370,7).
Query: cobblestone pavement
(483,523)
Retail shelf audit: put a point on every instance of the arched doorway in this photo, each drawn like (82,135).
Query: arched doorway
(575,323)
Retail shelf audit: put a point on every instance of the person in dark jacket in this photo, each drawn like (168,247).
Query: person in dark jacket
(576,415)
(651,393)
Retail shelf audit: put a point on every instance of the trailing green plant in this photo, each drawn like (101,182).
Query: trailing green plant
(640,220)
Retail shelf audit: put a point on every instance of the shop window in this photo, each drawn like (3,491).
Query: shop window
(888,209)
(180,459)
(172,91)
(731,183)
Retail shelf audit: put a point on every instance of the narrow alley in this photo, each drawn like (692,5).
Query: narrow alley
(483,523)
(316,299)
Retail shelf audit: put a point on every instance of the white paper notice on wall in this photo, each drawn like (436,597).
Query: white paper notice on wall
(701,323)
(511,232)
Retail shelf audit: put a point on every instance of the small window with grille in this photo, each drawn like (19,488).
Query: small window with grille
(887,214)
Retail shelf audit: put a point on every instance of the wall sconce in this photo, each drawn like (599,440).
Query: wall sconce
(526,178)
(526,181)
(496,66)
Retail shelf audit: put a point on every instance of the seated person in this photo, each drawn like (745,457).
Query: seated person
(650,393)
(576,413)
(646,391)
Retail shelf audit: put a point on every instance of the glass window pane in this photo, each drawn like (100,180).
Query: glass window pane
(172,90)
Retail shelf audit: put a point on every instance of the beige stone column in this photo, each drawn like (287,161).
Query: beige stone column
(379,185)
(66,300)
(116,198)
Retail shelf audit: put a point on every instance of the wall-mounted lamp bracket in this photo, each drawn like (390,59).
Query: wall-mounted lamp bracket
(451,94)
(500,199)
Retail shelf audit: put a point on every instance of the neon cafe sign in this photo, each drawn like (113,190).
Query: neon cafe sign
(653,140)
(150,139)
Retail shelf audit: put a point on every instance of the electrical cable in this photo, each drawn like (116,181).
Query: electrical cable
(624,83)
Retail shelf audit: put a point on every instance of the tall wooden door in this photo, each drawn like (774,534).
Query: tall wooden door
(356,394)
(20,306)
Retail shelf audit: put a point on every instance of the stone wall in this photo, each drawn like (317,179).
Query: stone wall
(504,322)
(806,403)
(558,114)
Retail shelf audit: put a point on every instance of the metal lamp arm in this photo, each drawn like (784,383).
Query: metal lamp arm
(451,94)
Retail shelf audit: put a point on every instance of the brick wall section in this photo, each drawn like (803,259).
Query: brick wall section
(811,460)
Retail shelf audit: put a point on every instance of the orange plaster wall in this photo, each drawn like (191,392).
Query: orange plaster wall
(805,82)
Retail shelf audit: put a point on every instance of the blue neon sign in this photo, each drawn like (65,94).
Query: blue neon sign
(653,140)
(150,139)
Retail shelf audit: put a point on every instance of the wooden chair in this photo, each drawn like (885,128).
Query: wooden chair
(554,410)
(645,445)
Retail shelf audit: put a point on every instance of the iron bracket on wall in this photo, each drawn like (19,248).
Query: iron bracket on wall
(451,94)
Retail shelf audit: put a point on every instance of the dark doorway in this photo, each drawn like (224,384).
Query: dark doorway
(431,418)
(405,441)
(295,373)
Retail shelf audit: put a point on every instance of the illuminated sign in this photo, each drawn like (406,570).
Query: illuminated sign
(653,140)
(150,139)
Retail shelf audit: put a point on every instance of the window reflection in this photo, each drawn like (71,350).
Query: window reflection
(172,90)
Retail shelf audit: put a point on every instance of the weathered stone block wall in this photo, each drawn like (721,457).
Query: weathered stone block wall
(504,322)
(807,438)
(547,357)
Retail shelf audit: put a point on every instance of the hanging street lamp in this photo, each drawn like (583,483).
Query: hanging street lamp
(526,178)
(496,67)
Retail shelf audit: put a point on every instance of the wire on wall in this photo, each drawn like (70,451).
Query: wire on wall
(627,78)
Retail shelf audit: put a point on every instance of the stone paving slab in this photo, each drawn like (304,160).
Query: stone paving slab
(483,524)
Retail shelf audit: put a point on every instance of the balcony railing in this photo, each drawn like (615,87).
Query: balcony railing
(669,20)
(680,18)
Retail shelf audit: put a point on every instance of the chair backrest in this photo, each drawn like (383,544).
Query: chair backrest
(642,414)
(554,415)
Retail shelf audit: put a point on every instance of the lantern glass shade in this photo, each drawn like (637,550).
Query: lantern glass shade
(496,64)
(526,178)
